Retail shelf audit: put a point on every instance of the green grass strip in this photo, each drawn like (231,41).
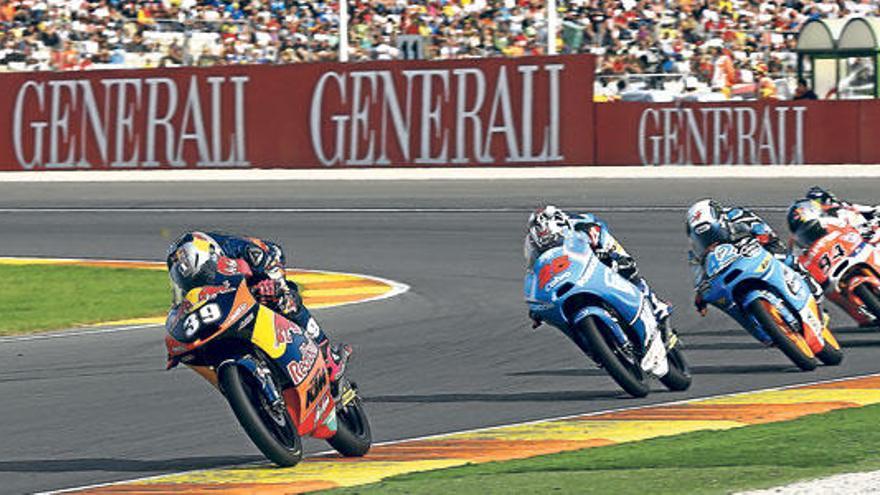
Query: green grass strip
(707,462)
(49,297)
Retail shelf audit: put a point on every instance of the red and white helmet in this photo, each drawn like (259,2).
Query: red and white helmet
(547,227)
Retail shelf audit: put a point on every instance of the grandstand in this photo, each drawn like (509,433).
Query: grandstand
(650,49)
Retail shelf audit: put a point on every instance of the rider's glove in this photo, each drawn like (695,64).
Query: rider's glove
(267,292)
(626,267)
(700,304)
(536,322)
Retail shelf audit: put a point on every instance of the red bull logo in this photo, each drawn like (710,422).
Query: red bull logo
(211,292)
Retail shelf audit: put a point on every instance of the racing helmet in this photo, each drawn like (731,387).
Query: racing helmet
(821,195)
(192,262)
(706,225)
(805,222)
(547,228)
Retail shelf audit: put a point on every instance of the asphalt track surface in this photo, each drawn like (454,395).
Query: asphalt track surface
(456,352)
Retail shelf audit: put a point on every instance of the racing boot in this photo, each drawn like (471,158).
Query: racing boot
(662,311)
(336,358)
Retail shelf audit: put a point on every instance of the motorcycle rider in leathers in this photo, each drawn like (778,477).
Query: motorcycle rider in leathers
(192,260)
(708,224)
(835,211)
(548,227)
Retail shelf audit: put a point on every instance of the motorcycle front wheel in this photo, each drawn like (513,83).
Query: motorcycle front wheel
(869,297)
(353,437)
(628,374)
(789,341)
(272,431)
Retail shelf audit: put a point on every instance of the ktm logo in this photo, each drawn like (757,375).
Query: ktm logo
(552,269)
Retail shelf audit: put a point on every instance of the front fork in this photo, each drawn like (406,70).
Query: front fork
(264,376)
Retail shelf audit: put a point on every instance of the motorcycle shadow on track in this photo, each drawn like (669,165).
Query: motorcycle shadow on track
(110,464)
(558,396)
(720,369)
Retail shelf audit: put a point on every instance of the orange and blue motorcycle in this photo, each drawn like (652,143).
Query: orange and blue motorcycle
(272,374)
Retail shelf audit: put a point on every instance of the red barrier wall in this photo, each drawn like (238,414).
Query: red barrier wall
(788,132)
(483,112)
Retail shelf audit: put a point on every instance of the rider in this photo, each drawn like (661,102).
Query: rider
(708,224)
(549,226)
(192,261)
(863,217)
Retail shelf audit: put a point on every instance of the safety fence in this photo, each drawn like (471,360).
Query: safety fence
(464,113)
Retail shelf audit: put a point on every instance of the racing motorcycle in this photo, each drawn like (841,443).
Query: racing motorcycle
(848,267)
(770,300)
(606,316)
(272,374)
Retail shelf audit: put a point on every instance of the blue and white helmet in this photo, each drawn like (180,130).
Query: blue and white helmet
(547,228)
(706,225)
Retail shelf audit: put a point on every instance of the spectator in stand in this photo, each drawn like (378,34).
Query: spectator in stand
(704,39)
(803,91)
(766,86)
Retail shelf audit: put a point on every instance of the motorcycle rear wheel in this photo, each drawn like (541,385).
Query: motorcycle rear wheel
(281,444)
(781,337)
(634,382)
(353,437)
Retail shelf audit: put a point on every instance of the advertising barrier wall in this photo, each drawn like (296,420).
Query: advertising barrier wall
(486,112)
(777,133)
(478,112)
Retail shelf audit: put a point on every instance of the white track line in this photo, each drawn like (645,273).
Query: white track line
(488,428)
(449,173)
(397,288)
(610,209)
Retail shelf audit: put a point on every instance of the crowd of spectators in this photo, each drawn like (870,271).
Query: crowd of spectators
(713,42)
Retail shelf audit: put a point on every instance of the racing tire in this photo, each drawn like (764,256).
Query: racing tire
(353,437)
(830,355)
(678,378)
(633,384)
(870,299)
(242,395)
(779,337)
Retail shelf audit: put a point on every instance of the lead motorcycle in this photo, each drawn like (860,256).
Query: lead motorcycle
(272,374)
(770,300)
(605,315)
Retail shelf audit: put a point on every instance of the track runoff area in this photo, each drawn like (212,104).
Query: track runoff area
(522,439)
(517,441)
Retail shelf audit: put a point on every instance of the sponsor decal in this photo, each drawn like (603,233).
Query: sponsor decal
(317,386)
(381,110)
(285,330)
(237,311)
(228,266)
(130,122)
(211,292)
(299,370)
(722,135)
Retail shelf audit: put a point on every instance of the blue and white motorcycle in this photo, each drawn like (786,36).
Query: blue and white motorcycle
(770,300)
(608,317)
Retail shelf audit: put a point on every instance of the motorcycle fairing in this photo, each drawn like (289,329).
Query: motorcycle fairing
(573,270)
(196,320)
(587,275)
(727,268)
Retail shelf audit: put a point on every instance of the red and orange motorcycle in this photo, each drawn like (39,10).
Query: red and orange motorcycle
(848,267)
(272,374)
